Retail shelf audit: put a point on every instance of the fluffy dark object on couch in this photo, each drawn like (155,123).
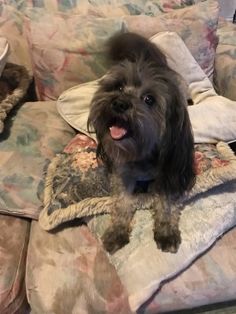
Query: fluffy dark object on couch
(144,138)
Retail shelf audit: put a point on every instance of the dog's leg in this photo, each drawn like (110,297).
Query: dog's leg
(166,224)
(117,234)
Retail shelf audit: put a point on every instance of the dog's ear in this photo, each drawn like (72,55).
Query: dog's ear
(133,47)
(177,151)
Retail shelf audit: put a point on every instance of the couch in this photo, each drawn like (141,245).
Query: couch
(57,272)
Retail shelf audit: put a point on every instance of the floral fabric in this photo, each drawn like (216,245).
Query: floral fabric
(30,140)
(152,7)
(211,279)
(68,49)
(79,175)
(196,25)
(12,15)
(225,62)
(14,238)
(82,280)
(11,21)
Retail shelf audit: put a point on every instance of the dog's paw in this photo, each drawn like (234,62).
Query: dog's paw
(115,237)
(167,238)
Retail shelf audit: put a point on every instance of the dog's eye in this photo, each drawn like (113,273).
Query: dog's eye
(149,100)
(120,88)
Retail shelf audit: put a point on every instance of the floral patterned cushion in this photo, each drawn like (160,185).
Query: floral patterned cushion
(68,49)
(104,6)
(13,251)
(84,279)
(211,279)
(30,138)
(196,25)
(12,15)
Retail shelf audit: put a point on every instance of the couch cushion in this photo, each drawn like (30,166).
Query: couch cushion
(14,237)
(104,7)
(196,25)
(68,272)
(12,17)
(84,280)
(68,49)
(31,138)
(211,279)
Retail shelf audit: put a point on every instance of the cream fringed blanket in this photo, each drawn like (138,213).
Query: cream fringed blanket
(76,187)
(222,170)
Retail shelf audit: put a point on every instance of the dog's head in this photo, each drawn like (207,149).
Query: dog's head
(139,113)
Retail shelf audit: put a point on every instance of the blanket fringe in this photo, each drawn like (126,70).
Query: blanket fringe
(101,205)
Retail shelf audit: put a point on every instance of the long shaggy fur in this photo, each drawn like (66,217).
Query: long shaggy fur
(141,96)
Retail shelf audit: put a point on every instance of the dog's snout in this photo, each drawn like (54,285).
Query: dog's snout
(120,106)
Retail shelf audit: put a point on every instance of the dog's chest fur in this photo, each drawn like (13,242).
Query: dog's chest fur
(133,178)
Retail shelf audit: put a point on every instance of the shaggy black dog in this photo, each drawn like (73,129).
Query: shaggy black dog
(144,138)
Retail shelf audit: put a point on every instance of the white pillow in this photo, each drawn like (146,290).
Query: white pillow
(213,117)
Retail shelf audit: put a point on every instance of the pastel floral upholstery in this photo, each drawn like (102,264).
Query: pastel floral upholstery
(11,21)
(83,277)
(211,279)
(76,6)
(225,73)
(12,17)
(68,272)
(36,134)
(68,49)
(14,237)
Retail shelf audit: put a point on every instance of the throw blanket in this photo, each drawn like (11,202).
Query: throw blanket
(76,187)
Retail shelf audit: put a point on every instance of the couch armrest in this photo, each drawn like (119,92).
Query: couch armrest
(225,60)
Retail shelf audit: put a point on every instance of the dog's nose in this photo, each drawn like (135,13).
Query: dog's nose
(120,106)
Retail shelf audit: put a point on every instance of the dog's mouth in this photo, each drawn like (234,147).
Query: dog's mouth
(118,129)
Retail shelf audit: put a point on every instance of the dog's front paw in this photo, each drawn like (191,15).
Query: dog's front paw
(167,238)
(115,237)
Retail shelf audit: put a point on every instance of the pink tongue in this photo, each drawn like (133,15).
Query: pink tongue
(117,133)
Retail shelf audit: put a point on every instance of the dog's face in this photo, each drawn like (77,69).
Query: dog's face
(133,108)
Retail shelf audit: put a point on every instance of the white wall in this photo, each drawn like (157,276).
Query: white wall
(227,8)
